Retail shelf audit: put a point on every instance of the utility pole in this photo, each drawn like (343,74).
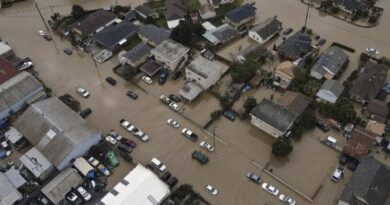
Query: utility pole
(96,67)
(44,22)
(307,15)
(214,126)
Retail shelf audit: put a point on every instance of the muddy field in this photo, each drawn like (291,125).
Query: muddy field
(240,146)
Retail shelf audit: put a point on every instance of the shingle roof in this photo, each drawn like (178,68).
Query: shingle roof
(295,46)
(175,9)
(359,143)
(377,107)
(333,86)
(240,13)
(268,28)
(7,70)
(154,34)
(273,114)
(370,182)
(331,60)
(294,101)
(138,52)
(145,10)
(353,5)
(94,21)
(223,33)
(150,68)
(111,35)
(170,50)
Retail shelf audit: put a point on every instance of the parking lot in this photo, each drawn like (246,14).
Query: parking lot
(241,146)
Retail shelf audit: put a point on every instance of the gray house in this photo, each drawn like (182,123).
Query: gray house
(221,35)
(8,192)
(330,91)
(241,16)
(153,35)
(137,55)
(330,63)
(56,131)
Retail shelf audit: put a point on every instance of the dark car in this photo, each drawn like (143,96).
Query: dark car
(200,157)
(253,177)
(321,124)
(287,31)
(125,148)
(67,51)
(111,80)
(229,115)
(150,167)
(132,95)
(344,159)
(128,142)
(321,42)
(352,164)
(174,98)
(163,77)
(126,156)
(172,182)
(166,176)
(176,75)
(47,37)
(85,113)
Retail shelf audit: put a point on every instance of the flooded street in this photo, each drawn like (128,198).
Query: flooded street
(240,146)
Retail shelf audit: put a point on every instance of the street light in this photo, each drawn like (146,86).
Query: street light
(307,15)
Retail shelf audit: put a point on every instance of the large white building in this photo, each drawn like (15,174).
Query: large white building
(204,72)
(140,187)
(170,54)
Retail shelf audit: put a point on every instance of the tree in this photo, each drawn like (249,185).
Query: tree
(78,11)
(282,146)
(186,32)
(214,115)
(242,72)
(224,101)
(249,104)
(308,119)
(121,9)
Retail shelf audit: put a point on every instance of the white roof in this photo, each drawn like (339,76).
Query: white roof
(208,26)
(173,23)
(13,135)
(140,186)
(4,48)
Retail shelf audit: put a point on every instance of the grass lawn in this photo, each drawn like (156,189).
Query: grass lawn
(192,5)
(156,4)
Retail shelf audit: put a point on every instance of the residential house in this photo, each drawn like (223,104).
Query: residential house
(294,101)
(130,16)
(359,143)
(351,6)
(190,91)
(60,185)
(207,11)
(369,184)
(296,46)
(37,164)
(255,52)
(140,186)
(146,12)
(137,55)
(204,72)
(94,22)
(116,35)
(5,50)
(376,108)
(175,12)
(19,91)
(221,35)
(59,133)
(170,54)
(376,127)
(9,194)
(241,16)
(216,3)
(15,177)
(272,118)
(330,91)
(370,79)
(284,74)
(7,70)
(265,30)
(331,62)
(153,35)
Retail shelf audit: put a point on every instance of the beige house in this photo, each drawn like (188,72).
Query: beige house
(284,74)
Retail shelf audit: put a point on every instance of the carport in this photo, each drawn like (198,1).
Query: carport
(190,91)
(150,68)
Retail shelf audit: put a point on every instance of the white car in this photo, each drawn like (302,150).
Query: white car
(158,164)
(372,51)
(210,189)
(174,106)
(206,146)
(116,135)
(83,92)
(94,162)
(271,189)
(124,123)
(173,123)
(131,128)
(111,140)
(41,33)
(337,174)
(147,80)
(86,195)
(286,200)
(71,196)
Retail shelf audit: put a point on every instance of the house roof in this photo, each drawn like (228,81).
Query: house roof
(203,67)
(268,28)
(273,114)
(34,161)
(8,193)
(377,107)
(333,86)
(331,60)
(170,50)
(255,51)
(206,8)
(295,46)
(55,130)
(154,34)
(359,143)
(140,186)
(57,188)
(15,177)
(353,5)
(294,101)
(94,21)
(240,13)
(138,52)
(375,127)
(131,15)
(115,34)
(190,91)
(4,48)
(287,68)
(150,68)
(145,10)
(371,78)
(7,70)
(369,182)
(175,10)
(222,33)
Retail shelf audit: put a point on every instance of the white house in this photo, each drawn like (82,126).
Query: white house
(204,72)
(265,30)
(170,54)
(330,91)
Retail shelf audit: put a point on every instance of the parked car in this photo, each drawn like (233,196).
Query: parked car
(67,51)
(210,189)
(343,159)
(337,174)
(132,95)
(287,31)
(189,134)
(25,64)
(372,51)
(44,35)
(229,115)
(322,125)
(286,200)
(110,139)
(71,197)
(174,98)
(82,92)
(270,189)
(102,169)
(176,75)
(174,106)
(125,148)
(206,146)
(4,154)
(321,42)
(126,156)
(352,164)
(86,112)
(163,77)
(158,164)
(165,99)
(147,80)
(253,177)
(172,182)
(86,195)
(140,135)
(173,123)
(111,81)
(115,134)
(94,162)
(128,142)
(165,176)
(200,157)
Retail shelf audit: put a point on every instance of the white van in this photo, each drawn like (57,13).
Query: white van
(158,164)
(330,141)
